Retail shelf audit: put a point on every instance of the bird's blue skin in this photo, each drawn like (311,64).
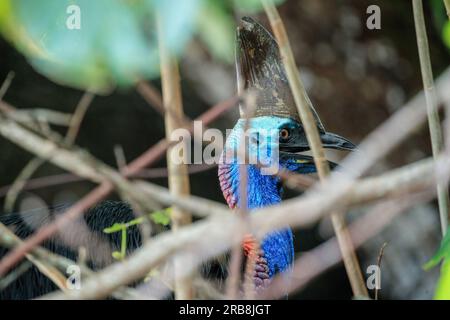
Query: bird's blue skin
(264,190)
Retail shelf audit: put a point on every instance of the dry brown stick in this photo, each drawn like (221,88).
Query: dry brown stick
(77,117)
(161,172)
(35,119)
(380,256)
(178,176)
(150,156)
(306,115)
(44,116)
(434,122)
(6,84)
(151,96)
(119,154)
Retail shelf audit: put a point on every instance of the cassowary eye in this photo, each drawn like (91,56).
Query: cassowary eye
(285,134)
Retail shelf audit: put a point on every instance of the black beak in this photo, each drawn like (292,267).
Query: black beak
(334,141)
(299,143)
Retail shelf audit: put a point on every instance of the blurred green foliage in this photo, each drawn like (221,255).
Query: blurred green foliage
(161,217)
(443,254)
(441,20)
(116,43)
(442,23)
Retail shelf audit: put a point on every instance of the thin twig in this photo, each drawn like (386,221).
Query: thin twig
(6,84)
(44,116)
(305,108)
(152,173)
(178,177)
(151,96)
(77,117)
(20,182)
(434,122)
(119,154)
(380,256)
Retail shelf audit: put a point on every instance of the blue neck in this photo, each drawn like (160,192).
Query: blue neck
(262,191)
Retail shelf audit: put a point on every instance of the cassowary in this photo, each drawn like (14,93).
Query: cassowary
(260,70)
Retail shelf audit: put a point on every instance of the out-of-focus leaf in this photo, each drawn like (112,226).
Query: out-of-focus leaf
(443,287)
(216,27)
(440,20)
(438,13)
(117,42)
(161,217)
(443,252)
(115,45)
(216,24)
(116,227)
(251,6)
(178,20)
(446,34)
(117,255)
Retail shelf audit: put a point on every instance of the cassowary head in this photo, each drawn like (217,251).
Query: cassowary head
(273,136)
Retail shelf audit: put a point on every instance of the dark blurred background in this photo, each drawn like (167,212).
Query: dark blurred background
(356,79)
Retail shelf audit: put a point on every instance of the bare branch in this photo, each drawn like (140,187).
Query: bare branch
(77,117)
(6,84)
(434,122)
(178,176)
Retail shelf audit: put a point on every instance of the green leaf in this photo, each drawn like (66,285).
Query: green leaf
(116,44)
(443,252)
(161,217)
(251,6)
(438,12)
(216,27)
(116,227)
(117,255)
(446,34)
(443,286)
